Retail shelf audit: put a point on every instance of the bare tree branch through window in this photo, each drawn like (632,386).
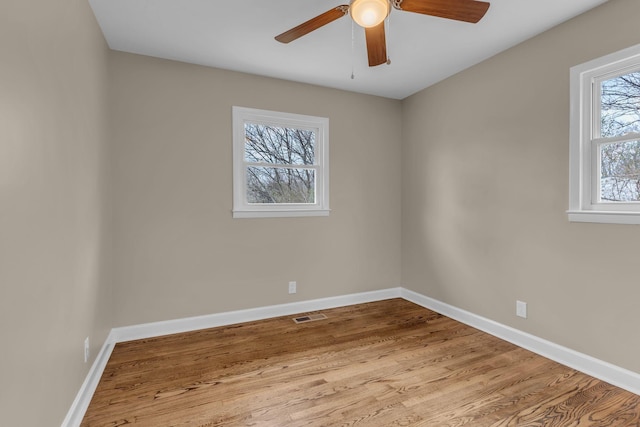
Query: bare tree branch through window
(620,161)
(279,160)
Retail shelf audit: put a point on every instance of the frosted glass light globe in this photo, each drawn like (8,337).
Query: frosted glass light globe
(369,13)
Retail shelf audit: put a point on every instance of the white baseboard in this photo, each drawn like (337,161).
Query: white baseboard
(605,371)
(83,398)
(600,369)
(149,330)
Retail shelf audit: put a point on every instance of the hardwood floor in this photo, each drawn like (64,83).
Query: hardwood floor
(388,363)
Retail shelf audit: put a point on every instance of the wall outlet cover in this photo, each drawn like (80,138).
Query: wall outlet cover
(521,309)
(86,350)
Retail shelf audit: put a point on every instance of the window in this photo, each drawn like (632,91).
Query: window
(280,164)
(605,139)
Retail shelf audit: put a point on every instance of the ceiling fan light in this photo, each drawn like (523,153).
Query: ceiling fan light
(369,13)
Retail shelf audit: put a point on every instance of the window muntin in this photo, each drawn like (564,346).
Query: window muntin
(605,139)
(280,164)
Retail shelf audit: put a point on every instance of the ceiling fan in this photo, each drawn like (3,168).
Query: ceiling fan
(370,14)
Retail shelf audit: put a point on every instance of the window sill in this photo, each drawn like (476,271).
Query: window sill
(605,217)
(284,213)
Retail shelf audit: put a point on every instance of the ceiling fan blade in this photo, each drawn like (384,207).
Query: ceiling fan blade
(313,24)
(376,45)
(460,10)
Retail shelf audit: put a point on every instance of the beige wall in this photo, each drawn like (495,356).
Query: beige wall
(485,189)
(179,253)
(52,205)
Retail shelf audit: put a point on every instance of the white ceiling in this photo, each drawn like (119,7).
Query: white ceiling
(239,35)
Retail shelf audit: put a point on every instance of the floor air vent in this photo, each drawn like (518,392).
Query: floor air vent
(309,318)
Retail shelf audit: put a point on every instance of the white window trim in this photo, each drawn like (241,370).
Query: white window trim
(583,157)
(243,209)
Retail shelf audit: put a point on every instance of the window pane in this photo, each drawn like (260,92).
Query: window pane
(280,185)
(620,105)
(620,172)
(279,145)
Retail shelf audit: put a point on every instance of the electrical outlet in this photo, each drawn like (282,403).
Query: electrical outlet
(521,309)
(86,350)
(292,287)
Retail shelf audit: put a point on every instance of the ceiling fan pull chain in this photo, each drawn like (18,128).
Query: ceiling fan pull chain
(353,42)
(389,32)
